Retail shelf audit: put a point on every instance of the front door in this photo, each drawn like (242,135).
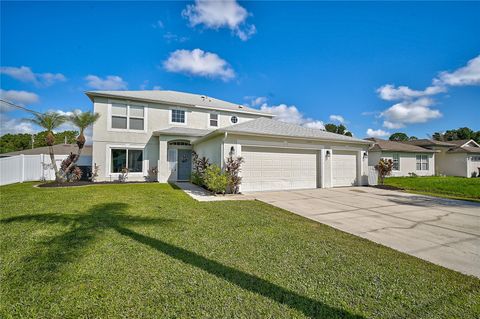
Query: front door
(184,161)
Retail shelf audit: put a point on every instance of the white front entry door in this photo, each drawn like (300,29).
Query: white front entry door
(267,169)
(344,168)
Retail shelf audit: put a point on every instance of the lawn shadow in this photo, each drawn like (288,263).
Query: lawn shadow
(308,306)
(44,264)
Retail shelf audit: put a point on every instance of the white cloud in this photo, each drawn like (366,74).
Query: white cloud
(171,37)
(200,63)
(111,82)
(255,101)
(337,118)
(415,106)
(158,25)
(391,93)
(19,97)
(290,114)
(408,112)
(15,125)
(467,75)
(220,14)
(25,74)
(392,126)
(377,133)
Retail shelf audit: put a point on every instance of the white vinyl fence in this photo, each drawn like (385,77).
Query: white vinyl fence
(372,176)
(23,168)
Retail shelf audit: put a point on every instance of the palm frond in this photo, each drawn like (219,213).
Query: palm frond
(84,119)
(49,120)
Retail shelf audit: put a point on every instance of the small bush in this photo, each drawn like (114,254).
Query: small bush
(474,174)
(412,174)
(196,179)
(384,168)
(215,180)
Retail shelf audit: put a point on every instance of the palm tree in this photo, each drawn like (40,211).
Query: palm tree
(82,120)
(50,121)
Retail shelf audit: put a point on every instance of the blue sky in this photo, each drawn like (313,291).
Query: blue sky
(381,67)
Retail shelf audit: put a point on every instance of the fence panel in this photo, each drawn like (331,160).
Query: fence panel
(372,176)
(22,168)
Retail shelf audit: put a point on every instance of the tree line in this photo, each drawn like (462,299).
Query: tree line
(462,133)
(19,142)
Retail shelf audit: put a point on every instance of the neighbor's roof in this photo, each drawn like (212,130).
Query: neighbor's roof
(386,145)
(182,131)
(430,142)
(177,98)
(269,127)
(59,149)
(465,149)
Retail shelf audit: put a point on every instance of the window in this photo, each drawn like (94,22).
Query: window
(396,162)
(213,119)
(127,158)
(178,116)
(422,162)
(234,119)
(475,158)
(125,116)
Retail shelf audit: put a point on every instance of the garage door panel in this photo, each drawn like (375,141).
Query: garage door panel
(277,169)
(344,168)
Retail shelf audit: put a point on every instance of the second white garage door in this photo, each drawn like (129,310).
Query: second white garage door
(268,169)
(344,168)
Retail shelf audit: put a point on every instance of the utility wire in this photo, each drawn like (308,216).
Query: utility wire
(19,107)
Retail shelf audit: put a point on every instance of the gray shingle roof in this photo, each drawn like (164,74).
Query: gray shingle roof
(265,126)
(430,142)
(178,98)
(465,149)
(59,149)
(386,145)
(182,131)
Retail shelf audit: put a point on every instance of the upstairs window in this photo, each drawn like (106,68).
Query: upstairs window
(213,119)
(125,116)
(178,116)
(422,162)
(396,162)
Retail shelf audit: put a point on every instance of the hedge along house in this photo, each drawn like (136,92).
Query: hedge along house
(407,159)
(142,130)
(453,158)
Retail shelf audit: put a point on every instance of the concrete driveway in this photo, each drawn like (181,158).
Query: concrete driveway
(445,232)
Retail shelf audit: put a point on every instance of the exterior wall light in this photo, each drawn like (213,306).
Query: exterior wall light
(365,155)
(327,154)
(232,150)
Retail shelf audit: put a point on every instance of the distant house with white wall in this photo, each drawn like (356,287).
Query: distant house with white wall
(453,158)
(406,158)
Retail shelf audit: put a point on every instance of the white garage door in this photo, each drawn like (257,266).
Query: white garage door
(278,169)
(344,168)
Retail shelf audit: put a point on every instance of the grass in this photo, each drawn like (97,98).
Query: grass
(150,251)
(449,186)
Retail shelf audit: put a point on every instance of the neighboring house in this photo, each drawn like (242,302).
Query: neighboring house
(143,130)
(60,151)
(453,158)
(406,158)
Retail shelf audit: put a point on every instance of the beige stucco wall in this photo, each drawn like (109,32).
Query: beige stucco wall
(211,149)
(157,117)
(408,162)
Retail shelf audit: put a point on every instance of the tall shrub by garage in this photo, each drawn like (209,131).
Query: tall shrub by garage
(215,180)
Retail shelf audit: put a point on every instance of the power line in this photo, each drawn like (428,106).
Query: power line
(19,107)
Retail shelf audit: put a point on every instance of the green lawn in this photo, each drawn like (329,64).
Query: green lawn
(450,187)
(150,251)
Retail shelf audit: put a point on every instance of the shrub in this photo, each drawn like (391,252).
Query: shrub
(384,168)
(412,174)
(74,172)
(215,180)
(474,174)
(196,179)
(232,169)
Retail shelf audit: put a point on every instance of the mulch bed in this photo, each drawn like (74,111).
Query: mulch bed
(86,183)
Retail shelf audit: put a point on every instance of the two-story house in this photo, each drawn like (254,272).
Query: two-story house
(143,130)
